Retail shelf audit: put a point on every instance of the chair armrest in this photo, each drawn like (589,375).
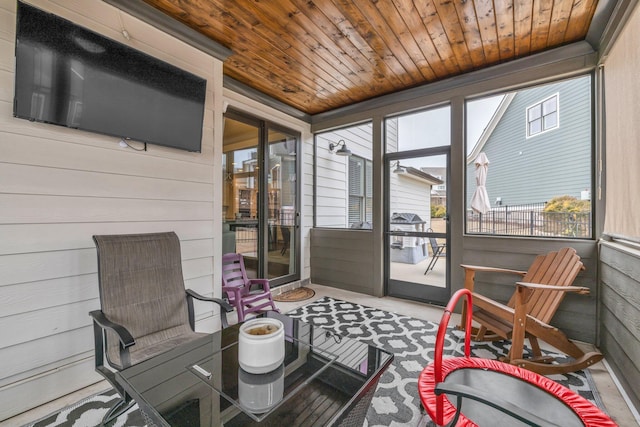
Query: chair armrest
(225,307)
(261,282)
(492,269)
(222,303)
(125,337)
(233,292)
(577,289)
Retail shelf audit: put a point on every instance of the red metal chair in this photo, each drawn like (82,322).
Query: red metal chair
(247,295)
(496,393)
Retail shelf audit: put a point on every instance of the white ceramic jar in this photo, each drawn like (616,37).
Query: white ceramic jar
(261,345)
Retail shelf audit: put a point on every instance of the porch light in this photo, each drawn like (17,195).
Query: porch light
(342,151)
(398,168)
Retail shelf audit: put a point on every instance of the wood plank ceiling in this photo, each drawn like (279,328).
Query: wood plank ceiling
(318,55)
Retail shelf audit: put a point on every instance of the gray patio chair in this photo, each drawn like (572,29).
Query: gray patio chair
(145,309)
(437,249)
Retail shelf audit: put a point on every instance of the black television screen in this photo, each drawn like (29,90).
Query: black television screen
(70,76)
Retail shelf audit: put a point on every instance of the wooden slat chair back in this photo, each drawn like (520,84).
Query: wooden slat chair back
(555,268)
(528,313)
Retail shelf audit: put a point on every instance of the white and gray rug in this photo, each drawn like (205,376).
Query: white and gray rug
(412,341)
(395,402)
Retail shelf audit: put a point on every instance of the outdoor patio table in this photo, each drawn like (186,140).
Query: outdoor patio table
(325,379)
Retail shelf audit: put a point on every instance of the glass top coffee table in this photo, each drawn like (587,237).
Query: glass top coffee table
(325,379)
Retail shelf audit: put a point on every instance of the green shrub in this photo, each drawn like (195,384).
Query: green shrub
(438,211)
(567,204)
(567,216)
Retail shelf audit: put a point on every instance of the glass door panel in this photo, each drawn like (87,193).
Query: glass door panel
(240,192)
(417,147)
(282,191)
(260,197)
(418,228)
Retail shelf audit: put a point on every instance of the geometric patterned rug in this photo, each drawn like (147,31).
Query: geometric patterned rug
(412,341)
(395,402)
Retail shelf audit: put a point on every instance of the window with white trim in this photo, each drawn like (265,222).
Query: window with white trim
(343,193)
(360,190)
(542,116)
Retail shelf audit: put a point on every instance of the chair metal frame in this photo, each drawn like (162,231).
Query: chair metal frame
(437,249)
(104,329)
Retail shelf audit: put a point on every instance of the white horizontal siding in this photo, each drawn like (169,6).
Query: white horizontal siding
(42,180)
(410,196)
(21,209)
(332,194)
(59,187)
(24,238)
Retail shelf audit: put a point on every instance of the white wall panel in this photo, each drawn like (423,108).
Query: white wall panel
(23,395)
(23,179)
(7,62)
(43,323)
(21,209)
(47,144)
(41,294)
(41,355)
(60,186)
(22,238)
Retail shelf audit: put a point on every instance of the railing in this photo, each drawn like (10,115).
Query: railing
(247,232)
(530,220)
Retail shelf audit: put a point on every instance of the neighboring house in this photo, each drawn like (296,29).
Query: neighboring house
(344,197)
(411,191)
(438,192)
(340,203)
(538,144)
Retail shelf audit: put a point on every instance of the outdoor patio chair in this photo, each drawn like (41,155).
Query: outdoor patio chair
(145,309)
(437,250)
(247,295)
(528,313)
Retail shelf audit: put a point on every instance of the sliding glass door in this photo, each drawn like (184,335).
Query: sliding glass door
(261,197)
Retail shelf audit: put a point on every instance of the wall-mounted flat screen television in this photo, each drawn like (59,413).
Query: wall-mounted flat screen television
(70,76)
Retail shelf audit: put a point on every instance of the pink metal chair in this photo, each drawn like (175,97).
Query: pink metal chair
(238,288)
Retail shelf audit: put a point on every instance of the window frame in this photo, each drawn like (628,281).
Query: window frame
(542,116)
(363,197)
(592,176)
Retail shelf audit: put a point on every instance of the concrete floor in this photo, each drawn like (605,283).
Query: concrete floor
(614,401)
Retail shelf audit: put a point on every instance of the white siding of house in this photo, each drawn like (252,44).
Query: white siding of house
(410,195)
(332,174)
(59,186)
